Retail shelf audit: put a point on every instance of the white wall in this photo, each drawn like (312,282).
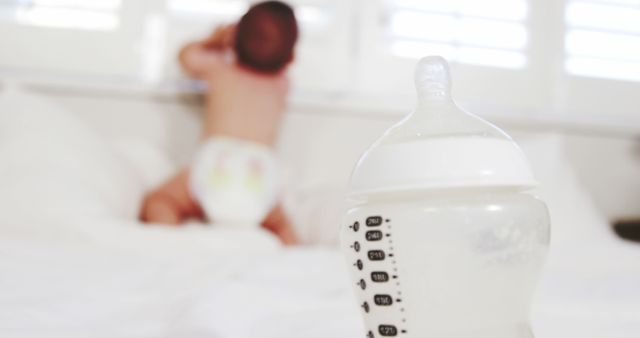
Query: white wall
(610,169)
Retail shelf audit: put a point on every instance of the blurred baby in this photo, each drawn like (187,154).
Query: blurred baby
(232,178)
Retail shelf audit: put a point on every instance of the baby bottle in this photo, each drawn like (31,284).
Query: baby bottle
(443,237)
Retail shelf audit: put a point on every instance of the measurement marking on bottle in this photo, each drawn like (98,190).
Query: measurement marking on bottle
(376,255)
(383,300)
(379,276)
(388,330)
(374,221)
(396,277)
(373,235)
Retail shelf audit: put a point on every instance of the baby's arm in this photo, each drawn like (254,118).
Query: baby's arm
(171,203)
(200,57)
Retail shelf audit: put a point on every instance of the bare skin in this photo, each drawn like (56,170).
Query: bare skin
(240,103)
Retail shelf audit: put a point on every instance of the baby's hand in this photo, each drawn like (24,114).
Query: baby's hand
(200,58)
(223,37)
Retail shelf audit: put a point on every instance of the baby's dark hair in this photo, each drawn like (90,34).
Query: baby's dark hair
(266,36)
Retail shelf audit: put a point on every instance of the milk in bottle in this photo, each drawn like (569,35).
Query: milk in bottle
(443,237)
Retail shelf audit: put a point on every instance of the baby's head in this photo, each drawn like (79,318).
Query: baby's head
(266,36)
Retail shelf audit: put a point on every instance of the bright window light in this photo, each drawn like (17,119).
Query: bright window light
(470,55)
(313,19)
(597,44)
(76,14)
(613,69)
(489,33)
(492,9)
(220,8)
(603,39)
(99,5)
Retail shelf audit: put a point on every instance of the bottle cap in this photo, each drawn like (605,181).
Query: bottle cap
(440,146)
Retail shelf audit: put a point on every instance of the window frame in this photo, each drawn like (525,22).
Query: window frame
(542,87)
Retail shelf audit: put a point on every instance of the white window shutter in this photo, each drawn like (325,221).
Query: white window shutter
(603,39)
(67,39)
(482,40)
(602,58)
(322,59)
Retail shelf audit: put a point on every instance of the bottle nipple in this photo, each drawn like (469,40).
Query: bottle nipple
(432,80)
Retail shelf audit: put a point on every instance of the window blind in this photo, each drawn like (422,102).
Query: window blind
(77,14)
(490,33)
(603,39)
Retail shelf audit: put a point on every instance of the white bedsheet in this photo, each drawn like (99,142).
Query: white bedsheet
(58,290)
(73,263)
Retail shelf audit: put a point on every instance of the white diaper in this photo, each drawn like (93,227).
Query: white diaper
(235,181)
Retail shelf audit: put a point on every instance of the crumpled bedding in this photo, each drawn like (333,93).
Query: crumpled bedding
(62,290)
(75,262)
(57,289)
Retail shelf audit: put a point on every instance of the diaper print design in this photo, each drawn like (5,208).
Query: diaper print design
(254,180)
(220,174)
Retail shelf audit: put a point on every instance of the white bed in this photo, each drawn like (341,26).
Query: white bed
(75,263)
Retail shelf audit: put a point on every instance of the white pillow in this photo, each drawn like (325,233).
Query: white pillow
(55,169)
(61,179)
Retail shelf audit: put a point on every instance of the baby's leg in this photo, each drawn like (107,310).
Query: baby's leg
(171,203)
(278,223)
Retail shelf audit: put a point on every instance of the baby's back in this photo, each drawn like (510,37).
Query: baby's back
(245,104)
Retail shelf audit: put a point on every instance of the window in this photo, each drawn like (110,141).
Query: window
(489,39)
(220,9)
(312,18)
(323,24)
(522,56)
(603,38)
(63,40)
(78,14)
(491,33)
(508,56)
